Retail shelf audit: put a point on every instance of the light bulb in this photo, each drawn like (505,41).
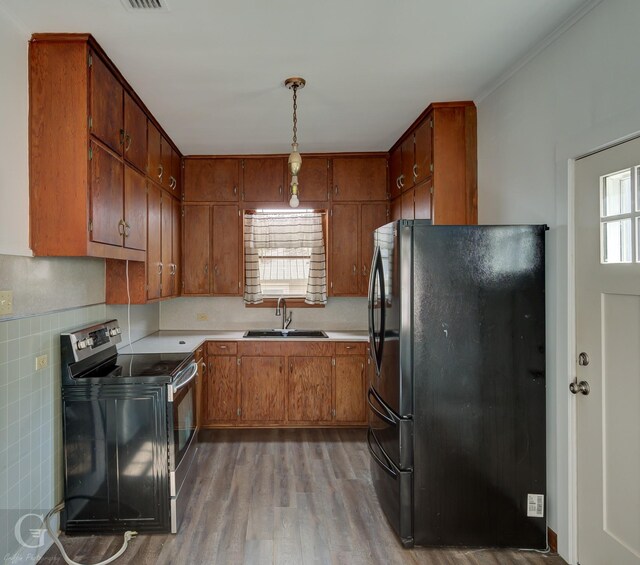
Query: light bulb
(294,202)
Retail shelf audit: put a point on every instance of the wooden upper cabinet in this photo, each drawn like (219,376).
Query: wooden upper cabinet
(263,179)
(107,203)
(408,163)
(176,246)
(313,180)
(166,180)
(154,153)
(345,253)
(166,245)
(373,215)
(154,236)
(408,212)
(395,208)
(226,253)
(422,200)
(106,105)
(135,134)
(359,178)
(309,389)
(135,209)
(423,144)
(211,180)
(197,249)
(176,173)
(395,170)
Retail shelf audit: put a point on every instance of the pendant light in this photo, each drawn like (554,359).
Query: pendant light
(295,160)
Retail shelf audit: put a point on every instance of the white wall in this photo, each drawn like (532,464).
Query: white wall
(14,151)
(580,93)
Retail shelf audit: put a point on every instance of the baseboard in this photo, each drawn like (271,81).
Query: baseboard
(552,538)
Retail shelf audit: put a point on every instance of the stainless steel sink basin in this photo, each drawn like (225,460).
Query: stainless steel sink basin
(285,333)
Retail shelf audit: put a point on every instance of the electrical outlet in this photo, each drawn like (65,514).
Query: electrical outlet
(42,362)
(201,317)
(6,302)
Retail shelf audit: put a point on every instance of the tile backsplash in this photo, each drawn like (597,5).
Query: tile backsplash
(30,414)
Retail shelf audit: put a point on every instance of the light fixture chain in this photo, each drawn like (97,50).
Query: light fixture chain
(295,114)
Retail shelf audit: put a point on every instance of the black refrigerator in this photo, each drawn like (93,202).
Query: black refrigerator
(457,399)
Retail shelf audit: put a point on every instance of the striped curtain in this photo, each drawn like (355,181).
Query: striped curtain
(288,231)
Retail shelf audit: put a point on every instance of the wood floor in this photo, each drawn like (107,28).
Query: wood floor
(294,497)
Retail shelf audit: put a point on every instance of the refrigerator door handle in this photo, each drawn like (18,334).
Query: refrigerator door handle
(377,272)
(386,467)
(386,417)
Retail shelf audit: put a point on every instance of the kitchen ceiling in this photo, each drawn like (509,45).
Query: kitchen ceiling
(212,72)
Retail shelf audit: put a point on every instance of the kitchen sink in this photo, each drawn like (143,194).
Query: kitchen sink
(285,333)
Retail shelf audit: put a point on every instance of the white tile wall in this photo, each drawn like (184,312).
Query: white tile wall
(30,413)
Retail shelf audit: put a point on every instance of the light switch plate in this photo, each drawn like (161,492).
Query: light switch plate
(42,362)
(6,302)
(201,317)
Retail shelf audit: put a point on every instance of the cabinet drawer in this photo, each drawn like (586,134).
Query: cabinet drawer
(354,348)
(222,348)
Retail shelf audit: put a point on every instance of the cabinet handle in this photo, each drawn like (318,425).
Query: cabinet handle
(121,227)
(215,270)
(222,347)
(235,190)
(206,268)
(128,144)
(415,172)
(336,190)
(398,183)
(127,229)
(400,180)
(159,268)
(204,367)
(160,171)
(350,347)
(364,270)
(280,190)
(122,136)
(355,269)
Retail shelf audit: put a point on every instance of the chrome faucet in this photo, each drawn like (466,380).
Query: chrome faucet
(285,321)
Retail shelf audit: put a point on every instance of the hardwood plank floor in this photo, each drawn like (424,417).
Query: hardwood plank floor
(283,497)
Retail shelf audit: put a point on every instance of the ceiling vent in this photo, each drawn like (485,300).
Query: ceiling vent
(145,5)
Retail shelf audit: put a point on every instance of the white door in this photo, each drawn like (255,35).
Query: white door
(607,244)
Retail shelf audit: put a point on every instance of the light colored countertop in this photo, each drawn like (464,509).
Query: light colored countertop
(187,341)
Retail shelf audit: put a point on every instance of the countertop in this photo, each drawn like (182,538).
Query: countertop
(186,341)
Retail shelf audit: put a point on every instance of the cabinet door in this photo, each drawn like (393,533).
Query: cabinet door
(106,105)
(309,389)
(262,389)
(396,209)
(154,236)
(166,246)
(313,180)
(176,173)
(407,205)
(345,252)
(196,251)
(226,250)
(106,197)
(135,209)
(220,391)
(395,170)
(135,134)
(263,179)
(211,180)
(423,140)
(408,162)
(359,178)
(165,163)
(154,153)
(350,389)
(176,246)
(374,215)
(422,200)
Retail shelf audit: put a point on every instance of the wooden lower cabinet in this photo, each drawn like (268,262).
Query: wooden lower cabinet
(294,384)
(262,389)
(309,387)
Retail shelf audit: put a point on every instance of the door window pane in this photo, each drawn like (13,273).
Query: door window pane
(637,189)
(616,194)
(617,241)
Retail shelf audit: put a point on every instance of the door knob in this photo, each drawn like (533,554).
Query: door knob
(581,387)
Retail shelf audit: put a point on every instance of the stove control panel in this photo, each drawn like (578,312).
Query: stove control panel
(89,341)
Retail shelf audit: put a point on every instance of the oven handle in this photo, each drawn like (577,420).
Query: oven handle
(184,382)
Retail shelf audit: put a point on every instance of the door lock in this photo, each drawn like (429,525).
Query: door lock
(581,387)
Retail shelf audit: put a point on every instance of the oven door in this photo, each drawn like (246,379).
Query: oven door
(182,418)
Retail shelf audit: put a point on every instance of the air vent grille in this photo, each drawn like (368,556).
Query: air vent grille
(139,5)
